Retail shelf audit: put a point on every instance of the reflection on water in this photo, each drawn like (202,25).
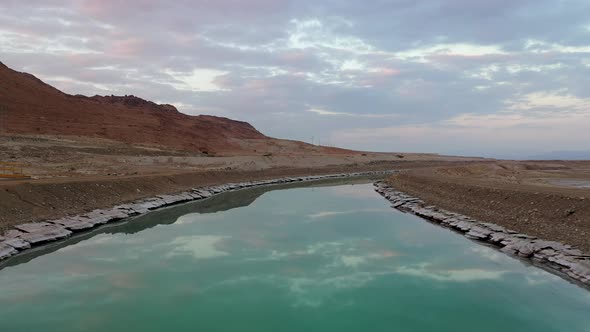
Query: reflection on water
(328,258)
(216,203)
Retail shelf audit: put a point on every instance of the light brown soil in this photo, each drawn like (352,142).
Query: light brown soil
(50,157)
(519,195)
(28,201)
(77,174)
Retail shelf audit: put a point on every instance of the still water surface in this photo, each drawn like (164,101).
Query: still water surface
(331,258)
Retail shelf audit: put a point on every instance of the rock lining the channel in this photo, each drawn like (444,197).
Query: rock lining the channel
(28,235)
(561,259)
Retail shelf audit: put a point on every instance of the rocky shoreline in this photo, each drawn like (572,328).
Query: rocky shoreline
(561,259)
(26,236)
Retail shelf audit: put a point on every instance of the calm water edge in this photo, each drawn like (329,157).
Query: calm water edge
(331,258)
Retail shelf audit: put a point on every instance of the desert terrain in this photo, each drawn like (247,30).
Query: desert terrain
(546,199)
(77,153)
(71,175)
(74,154)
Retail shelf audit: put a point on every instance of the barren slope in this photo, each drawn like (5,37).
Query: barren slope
(29,106)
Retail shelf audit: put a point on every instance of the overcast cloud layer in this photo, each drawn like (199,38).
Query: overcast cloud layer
(504,78)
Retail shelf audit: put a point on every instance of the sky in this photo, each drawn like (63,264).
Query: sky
(501,78)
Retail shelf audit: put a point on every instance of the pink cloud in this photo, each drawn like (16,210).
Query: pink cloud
(127,47)
(468,59)
(379,77)
(387,72)
(108,8)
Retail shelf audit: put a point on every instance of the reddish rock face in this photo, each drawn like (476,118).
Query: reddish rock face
(29,106)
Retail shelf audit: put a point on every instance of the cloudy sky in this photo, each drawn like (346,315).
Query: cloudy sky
(507,78)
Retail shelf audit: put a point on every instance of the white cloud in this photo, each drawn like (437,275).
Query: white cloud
(489,253)
(199,246)
(352,65)
(314,33)
(550,99)
(486,72)
(346,61)
(517,68)
(459,49)
(324,214)
(540,46)
(324,112)
(200,79)
(527,122)
(450,275)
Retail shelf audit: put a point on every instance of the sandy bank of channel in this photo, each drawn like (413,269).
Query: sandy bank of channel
(561,259)
(23,237)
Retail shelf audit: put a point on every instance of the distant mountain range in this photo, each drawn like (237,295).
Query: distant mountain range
(562,155)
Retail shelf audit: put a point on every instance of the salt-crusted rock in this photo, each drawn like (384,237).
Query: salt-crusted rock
(99,217)
(131,209)
(462,225)
(438,216)
(73,224)
(115,214)
(571,252)
(137,208)
(493,227)
(508,250)
(173,199)
(195,196)
(6,250)
(215,190)
(526,249)
(12,233)
(523,236)
(18,243)
(498,237)
(561,260)
(581,268)
(49,232)
(33,227)
(152,203)
(478,233)
(397,204)
(203,193)
(543,255)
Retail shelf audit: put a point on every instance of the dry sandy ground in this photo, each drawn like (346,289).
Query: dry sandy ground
(46,157)
(75,175)
(71,175)
(547,199)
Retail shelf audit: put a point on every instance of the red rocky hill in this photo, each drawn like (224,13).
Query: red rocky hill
(29,106)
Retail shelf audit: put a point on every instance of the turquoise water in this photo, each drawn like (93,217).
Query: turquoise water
(333,258)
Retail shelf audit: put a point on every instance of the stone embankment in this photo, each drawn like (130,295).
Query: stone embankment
(26,236)
(561,259)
